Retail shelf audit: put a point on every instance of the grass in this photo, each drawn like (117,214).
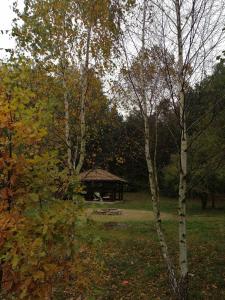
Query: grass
(126,216)
(132,254)
(134,268)
(128,250)
(142,201)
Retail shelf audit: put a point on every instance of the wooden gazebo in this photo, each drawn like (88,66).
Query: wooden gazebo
(102,185)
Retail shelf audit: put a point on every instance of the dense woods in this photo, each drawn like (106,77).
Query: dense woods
(132,87)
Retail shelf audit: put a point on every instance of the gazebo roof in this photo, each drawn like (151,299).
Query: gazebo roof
(99,175)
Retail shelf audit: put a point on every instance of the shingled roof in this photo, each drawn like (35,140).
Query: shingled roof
(99,175)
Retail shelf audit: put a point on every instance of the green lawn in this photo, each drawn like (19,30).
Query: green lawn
(133,265)
(142,201)
(132,254)
(128,251)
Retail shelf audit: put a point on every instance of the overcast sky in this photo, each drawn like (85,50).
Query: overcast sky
(6,17)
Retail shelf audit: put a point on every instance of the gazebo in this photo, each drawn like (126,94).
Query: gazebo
(101,185)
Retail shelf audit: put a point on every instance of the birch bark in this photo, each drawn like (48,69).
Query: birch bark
(152,169)
(183,261)
(192,30)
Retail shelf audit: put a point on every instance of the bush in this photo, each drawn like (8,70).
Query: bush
(42,251)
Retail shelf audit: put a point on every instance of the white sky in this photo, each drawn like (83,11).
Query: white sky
(6,18)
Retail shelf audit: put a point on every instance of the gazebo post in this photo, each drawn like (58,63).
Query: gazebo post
(121,192)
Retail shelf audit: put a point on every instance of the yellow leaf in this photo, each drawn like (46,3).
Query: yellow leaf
(45,229)
(15,261)
(50,268)
(39,275)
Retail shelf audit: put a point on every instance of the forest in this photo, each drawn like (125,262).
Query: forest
(135,88)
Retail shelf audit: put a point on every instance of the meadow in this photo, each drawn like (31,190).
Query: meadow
(133,264)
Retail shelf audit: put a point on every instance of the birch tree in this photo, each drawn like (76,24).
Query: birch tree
(68,35)
(192,30)
(145,87)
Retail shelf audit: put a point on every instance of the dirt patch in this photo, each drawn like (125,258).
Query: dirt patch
(108,211)
(127,215)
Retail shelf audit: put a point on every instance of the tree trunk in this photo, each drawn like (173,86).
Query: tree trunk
(152,172)
(213,200)
(84,86)
(182,211)
(183,164)
(156,210)
(203,196)
(67,127)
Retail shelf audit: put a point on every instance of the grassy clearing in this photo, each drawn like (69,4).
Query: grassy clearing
(142,201)
(133,265)
(135,270)
(127,215)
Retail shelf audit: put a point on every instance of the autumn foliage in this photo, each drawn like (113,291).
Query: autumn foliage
(41,252)
(40,236)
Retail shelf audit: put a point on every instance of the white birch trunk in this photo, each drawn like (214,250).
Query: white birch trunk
(183,262)
(153,182)
(152,171)
(66,105)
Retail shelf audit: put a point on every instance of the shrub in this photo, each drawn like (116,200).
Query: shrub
(42,251)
